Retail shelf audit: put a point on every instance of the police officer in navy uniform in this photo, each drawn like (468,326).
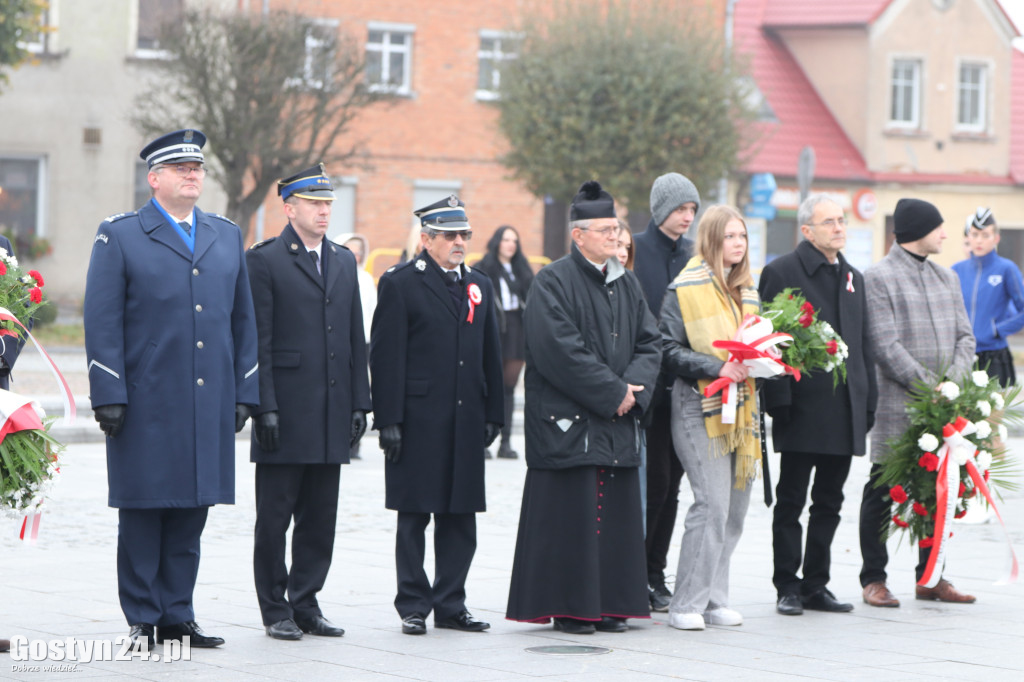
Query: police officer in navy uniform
(170,338)
(437,400)
(314,396)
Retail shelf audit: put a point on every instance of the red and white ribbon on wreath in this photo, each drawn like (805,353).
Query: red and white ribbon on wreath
(65,391)
(475,297)
(755,346)
(947,486)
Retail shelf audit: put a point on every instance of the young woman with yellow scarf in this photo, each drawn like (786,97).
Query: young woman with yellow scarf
(707,302)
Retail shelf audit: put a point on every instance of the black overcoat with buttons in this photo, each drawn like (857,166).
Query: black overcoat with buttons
(170,334)
(588,335)
(439,376)
(810,415)
(312,349)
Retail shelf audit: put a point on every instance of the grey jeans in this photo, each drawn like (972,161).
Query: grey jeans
(714,521)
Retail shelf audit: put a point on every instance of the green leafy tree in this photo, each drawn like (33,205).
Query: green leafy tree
(621,92)
(20,21)
(273,93)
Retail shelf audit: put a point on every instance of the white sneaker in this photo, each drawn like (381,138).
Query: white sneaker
(723,616)
(686,621)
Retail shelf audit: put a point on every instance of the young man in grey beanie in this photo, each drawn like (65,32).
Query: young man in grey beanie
(917,327)
(661,252)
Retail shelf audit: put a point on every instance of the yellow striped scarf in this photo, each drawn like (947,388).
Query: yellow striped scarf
(709,314)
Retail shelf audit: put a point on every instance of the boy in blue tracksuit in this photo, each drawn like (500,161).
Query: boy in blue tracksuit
(994,295)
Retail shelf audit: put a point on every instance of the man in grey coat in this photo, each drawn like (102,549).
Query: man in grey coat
(918,329)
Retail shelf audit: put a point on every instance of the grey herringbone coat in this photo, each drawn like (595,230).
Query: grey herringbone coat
(918,327)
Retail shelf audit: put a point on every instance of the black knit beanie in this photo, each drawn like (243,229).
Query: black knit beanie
(914,219)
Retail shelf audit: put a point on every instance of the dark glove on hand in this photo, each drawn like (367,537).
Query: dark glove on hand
(266,429)
(110,417)
(391,442)
(358,427)
(780,414)
(491,432)
(871,421)
(242,412)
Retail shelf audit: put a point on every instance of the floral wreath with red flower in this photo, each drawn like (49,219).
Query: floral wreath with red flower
(965,422)
(816,346)
(28,456)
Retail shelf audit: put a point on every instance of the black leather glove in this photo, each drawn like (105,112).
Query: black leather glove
(242,412)
(871,421)
(391,441)
(491,432)
(110,417)
(358,427)
(267,430)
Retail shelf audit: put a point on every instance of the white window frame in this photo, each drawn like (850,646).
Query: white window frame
(41,188)
(46,41)
(343,210)
(982,90)
(916,85)
(145,52)
(386,49)
(496,56)
(313,42)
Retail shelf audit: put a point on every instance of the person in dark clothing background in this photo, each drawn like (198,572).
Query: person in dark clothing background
(661,252)
(511,276)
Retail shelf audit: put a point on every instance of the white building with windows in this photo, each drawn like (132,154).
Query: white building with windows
(69,156)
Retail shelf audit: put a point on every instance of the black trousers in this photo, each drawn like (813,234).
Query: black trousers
(309,494)
(664,472)
(795,469)
(454,547)
(158,562)
(999,364)
(875,512)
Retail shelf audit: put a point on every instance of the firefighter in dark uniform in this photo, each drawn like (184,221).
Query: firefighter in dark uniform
(435,358)
(314,396)
(170,338)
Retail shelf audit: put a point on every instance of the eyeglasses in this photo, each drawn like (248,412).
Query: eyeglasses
(604,231)
(184,171)
(451,235)
(831,223)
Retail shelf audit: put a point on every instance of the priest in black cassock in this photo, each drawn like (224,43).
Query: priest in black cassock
(592,356)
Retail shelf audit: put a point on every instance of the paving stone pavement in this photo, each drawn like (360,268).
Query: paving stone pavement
(65,586)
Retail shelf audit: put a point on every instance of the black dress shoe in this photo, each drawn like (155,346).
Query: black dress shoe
(461,621)
(572,626)
(190,629)
(319,626)
(284,629)
(141,631)
(414,625)
(610,624)
(790,605)
(823,600)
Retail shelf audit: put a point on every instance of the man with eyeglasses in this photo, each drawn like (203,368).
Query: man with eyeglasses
(817,428)
(170,337)
(593,352)
(435,358)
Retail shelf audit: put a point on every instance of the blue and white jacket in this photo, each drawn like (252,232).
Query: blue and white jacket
(989,285)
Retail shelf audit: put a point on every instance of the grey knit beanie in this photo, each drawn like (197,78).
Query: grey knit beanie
(668,193)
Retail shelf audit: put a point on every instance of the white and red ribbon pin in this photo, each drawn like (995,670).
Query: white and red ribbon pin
(475,297)
(849,282)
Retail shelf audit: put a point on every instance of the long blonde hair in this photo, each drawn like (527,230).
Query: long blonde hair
(710,239)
